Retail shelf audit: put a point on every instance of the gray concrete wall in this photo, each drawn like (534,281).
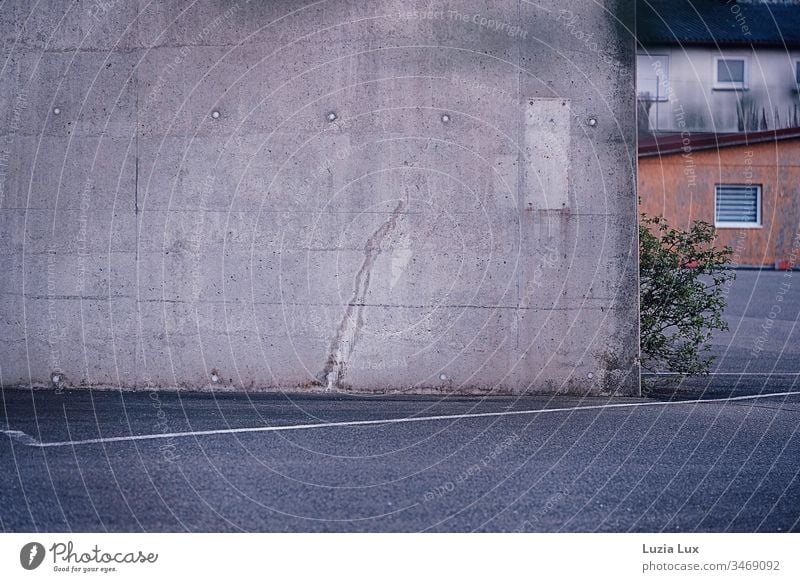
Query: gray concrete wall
(467,222)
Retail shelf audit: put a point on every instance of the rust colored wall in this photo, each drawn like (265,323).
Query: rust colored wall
(680,187)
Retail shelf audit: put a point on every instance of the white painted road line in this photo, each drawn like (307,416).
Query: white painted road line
(22,437)
(30,441)
(789,374)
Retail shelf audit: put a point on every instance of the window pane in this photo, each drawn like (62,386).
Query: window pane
(730,71)
(737,204)
(797,72)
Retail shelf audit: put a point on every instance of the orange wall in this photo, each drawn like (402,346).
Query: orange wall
(681,188)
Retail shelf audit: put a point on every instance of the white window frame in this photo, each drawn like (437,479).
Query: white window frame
(728,85)
(662,97)
(756,224)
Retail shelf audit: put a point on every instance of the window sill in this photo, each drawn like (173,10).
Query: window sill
(737,225)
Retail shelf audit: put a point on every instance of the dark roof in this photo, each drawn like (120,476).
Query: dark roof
(712,22)
(659,145)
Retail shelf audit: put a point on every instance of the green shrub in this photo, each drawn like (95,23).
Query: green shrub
(682,276)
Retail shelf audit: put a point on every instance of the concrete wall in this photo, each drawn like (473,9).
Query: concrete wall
(694,104)
(680,187)
(387,197)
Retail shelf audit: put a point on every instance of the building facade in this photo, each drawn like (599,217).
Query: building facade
(747,185)
(713,66)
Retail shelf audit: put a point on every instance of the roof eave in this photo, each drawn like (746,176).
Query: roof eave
(714,43)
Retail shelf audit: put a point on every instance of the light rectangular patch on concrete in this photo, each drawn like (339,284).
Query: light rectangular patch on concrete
(547,146)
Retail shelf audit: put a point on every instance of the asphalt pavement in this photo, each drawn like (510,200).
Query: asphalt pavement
(760,350)
(590,465)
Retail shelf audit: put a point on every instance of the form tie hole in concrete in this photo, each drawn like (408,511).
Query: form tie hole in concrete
(56,111)
(55,378)
(445,118)
(215,114)
(442,376)
(592,121)
(331,116)
(214,377)
(590,375)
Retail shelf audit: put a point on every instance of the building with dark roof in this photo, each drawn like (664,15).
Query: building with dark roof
(718,66)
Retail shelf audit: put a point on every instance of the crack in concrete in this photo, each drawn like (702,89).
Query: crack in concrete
(346,336)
